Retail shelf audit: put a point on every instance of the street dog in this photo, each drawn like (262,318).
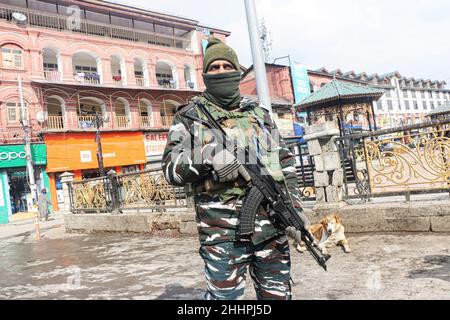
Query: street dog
(328,233)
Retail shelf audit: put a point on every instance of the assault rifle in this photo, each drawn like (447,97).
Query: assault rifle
(264,190)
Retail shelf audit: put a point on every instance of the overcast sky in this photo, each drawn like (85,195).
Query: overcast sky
(375,36)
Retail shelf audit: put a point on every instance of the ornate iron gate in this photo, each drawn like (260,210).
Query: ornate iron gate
(408,160)
(141,190)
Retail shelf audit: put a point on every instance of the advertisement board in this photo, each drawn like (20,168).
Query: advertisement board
(301,85)
(78,151)
(155,143)
(14,156)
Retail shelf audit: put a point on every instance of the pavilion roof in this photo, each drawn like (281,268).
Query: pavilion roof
(337,91)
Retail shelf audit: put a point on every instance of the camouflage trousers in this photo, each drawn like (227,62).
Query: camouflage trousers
(226,266)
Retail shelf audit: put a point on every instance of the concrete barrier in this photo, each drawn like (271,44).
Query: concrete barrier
(426,216)
(160,224)
(421,216)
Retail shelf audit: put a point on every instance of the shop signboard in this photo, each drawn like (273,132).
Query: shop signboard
(78,151)
(155,143)
(13,156)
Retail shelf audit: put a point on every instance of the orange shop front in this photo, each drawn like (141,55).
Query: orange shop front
(77,153)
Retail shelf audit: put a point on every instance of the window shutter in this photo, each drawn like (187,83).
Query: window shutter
(7,59)
(18,61)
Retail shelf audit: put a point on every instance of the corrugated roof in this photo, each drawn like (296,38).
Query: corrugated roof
(337,90)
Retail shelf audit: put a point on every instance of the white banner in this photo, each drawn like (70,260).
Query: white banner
(155,143)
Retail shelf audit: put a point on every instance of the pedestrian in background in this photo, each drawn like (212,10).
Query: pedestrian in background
(43,205)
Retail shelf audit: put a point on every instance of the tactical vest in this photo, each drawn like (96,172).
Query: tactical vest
(249,126)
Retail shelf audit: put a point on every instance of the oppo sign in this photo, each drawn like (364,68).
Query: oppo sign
(10,156)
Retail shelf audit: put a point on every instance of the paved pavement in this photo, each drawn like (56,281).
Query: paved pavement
(115,266)
(27,227)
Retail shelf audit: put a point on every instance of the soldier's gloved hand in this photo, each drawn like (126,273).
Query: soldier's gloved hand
(227,166)
(295,234)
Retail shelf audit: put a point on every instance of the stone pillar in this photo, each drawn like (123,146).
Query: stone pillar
(66,178)
(129,68)
(151,66)
(67,68)
(328,173)
(181,79)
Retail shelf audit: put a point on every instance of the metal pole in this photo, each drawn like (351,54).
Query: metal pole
(29,158)
(27,139)
(99,123)
(258,56)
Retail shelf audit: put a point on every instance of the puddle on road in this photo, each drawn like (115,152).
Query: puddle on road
(440,271)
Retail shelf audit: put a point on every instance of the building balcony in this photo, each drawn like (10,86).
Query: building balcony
(87,78)
(52,75)
(55,123)
(140,81)
(167,83)
(59,22)
(118,81)
(122,122)
(87,122)
(148,122)
(166,121)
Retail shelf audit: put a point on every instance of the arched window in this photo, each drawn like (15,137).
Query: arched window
(87,68)
(55,113)
(189,76)
(122,113)
(12,57)
(118,70)
(14,111)
(167,112)
(166,75)
(88,110)
(141,73)
(146,114)
(52,62)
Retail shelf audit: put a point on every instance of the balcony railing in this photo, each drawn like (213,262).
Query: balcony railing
(52,75)
(167,83)
(147,122)
(190,84)
(117,80)
(62,23)
(122,122)
(86,122)
(140,81)
(87,78)
(55,123)
(166,121)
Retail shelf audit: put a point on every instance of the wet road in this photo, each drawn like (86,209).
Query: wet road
(112,266)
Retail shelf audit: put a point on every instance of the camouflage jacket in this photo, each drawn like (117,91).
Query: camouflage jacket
(217,210)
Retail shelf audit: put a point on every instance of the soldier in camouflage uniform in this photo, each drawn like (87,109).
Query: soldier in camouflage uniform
(190,156)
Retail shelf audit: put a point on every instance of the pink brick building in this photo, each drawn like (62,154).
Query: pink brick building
(79,58)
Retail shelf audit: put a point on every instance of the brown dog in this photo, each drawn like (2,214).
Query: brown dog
(328,233)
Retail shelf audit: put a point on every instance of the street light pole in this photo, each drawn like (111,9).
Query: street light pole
(30,169)
(258,56)
(27,139)
(99,124)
